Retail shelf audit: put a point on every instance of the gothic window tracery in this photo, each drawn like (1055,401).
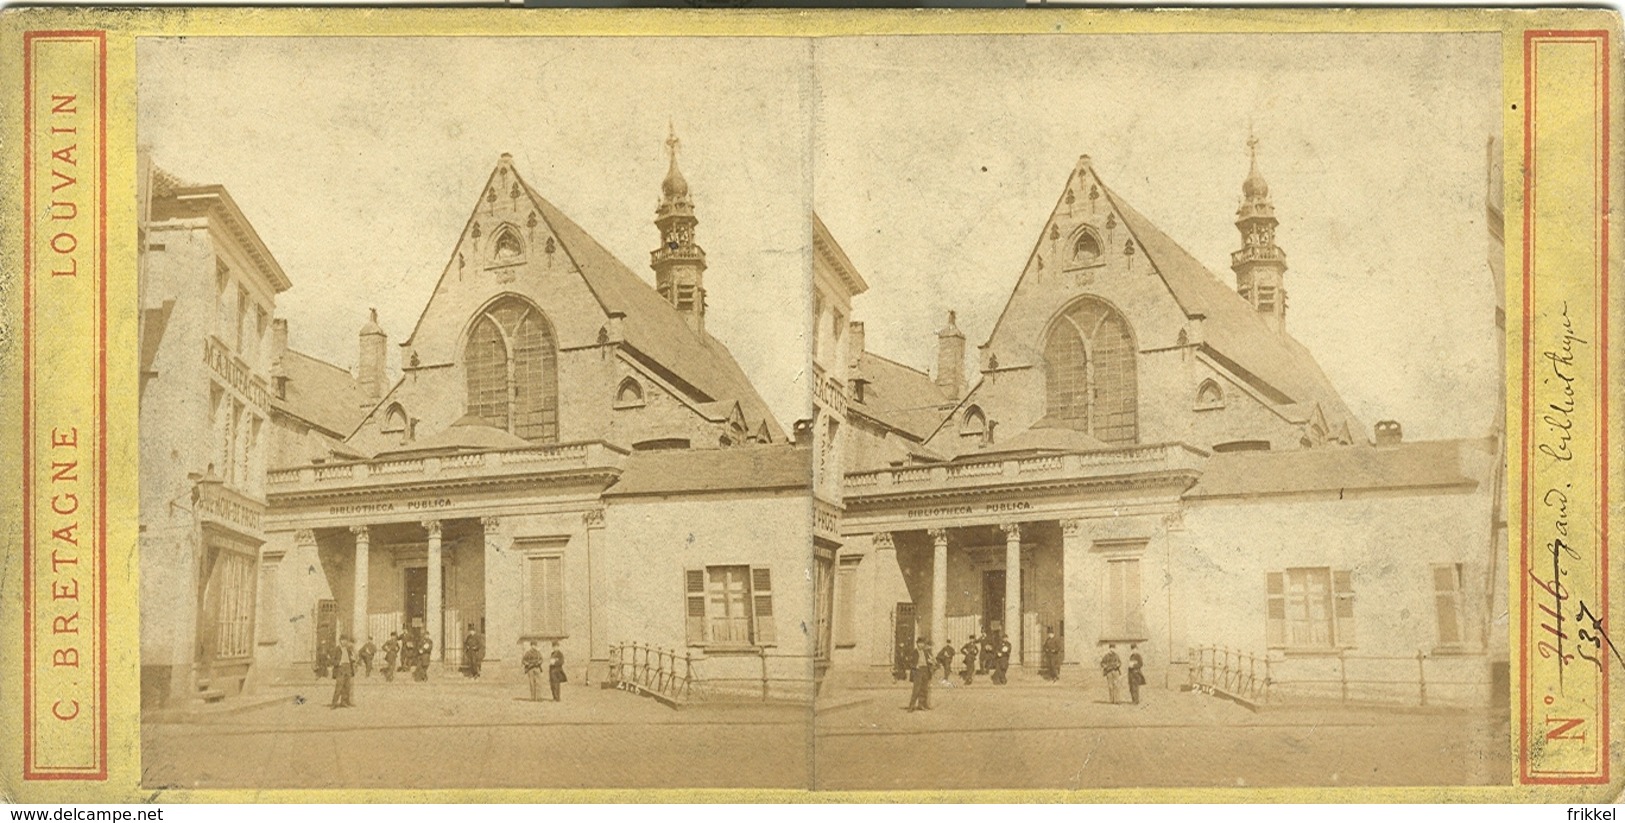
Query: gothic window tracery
(1089,372)
(511,362)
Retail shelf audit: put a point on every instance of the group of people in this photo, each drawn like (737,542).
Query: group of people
(344,659)
(533,670)
(990,654)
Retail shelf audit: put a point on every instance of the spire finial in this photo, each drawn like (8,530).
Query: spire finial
(1254,185)
(671,140)
(674,187)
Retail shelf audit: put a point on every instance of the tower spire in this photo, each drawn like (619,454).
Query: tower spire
(1259,264)
(679,263)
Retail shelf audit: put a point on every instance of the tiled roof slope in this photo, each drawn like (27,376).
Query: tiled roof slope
(773,467)
(1438,464)
(903,398)
(322,394)
(1231,329)
(652,325)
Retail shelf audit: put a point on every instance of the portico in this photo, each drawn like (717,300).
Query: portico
(1022,545)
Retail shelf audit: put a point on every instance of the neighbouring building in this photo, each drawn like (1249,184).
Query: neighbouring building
(1149,457)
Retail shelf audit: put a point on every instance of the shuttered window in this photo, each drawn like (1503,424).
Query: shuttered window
(1310,608)
(1447,604)
(729,606)
(846,606)
(1125,619)
(544,596)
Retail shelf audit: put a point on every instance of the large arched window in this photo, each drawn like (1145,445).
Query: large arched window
(512,366)
(1089,372)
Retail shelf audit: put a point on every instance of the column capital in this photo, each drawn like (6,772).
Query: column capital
(1071,527)
(490,522)
(1174,521)
(1012,531)
(361,532)
(433,528)
(593,518)
(304,537)
(938,535)
(883,541)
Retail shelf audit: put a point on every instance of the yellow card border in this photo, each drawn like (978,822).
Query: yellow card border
(118,640)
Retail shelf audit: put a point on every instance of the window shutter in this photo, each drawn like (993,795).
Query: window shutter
(694,603)
(761,589)
(1343,591)
(1275,633)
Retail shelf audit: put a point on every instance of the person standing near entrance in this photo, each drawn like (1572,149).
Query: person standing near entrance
(922,666)
(945,659)
(1136,672)
(989,657)
(1001,671)
(533,670)
(555,671)
(969,650)
(1111,666)
(343,675)
(392,651)
(366,655)
(420,672)
(473,653)
(1052,656)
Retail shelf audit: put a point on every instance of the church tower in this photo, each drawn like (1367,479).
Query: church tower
(679,264)
(1259,264)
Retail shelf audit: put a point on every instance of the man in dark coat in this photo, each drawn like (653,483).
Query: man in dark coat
(990,654)
(1136,672)
(555,670)
(945,659)
(970,650)
(922,665)
(1111,667)
(420,661)
(533,670)
(392,652)
(473,652)
(1052,656)
(343,675)
(366,655)
(1001,672)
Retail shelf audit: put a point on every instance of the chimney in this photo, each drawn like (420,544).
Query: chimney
(951,360)
(854,340)
(279,348)
(370,365)
(1389,433)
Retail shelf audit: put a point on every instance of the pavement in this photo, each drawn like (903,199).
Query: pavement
(1042,735)
(456,733)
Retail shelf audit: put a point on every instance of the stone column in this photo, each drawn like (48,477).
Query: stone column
(432,616)
(878,629)
(1012,587)
(1072,592)
(501,582)
(939,585)
(358,605)
(597,646)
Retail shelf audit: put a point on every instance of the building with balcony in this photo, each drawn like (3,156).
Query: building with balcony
(1149,458)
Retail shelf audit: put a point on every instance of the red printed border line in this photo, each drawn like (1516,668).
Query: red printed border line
(1563,734)
(64,405)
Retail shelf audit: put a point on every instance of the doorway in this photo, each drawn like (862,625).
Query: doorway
(416,597)
(903,628)
(992,601)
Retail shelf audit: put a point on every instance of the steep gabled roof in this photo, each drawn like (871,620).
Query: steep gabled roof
(321,394)
(653,326)
(903,398)
(1277,364)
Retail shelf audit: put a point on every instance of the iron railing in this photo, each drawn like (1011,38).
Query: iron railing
(1338,677)
(653,671)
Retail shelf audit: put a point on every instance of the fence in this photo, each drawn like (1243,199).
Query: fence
(1416,680)
(675,678)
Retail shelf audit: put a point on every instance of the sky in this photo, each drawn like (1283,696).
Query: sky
(940,159)
(933,160)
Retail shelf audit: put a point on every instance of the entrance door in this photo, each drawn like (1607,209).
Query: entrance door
(992,601)
(902,644)
(417,598)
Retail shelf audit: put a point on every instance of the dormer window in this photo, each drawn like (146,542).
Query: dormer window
(973,426)
(1209,396)
(629,395)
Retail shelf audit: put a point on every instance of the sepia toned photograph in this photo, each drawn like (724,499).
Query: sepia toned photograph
(966,412)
